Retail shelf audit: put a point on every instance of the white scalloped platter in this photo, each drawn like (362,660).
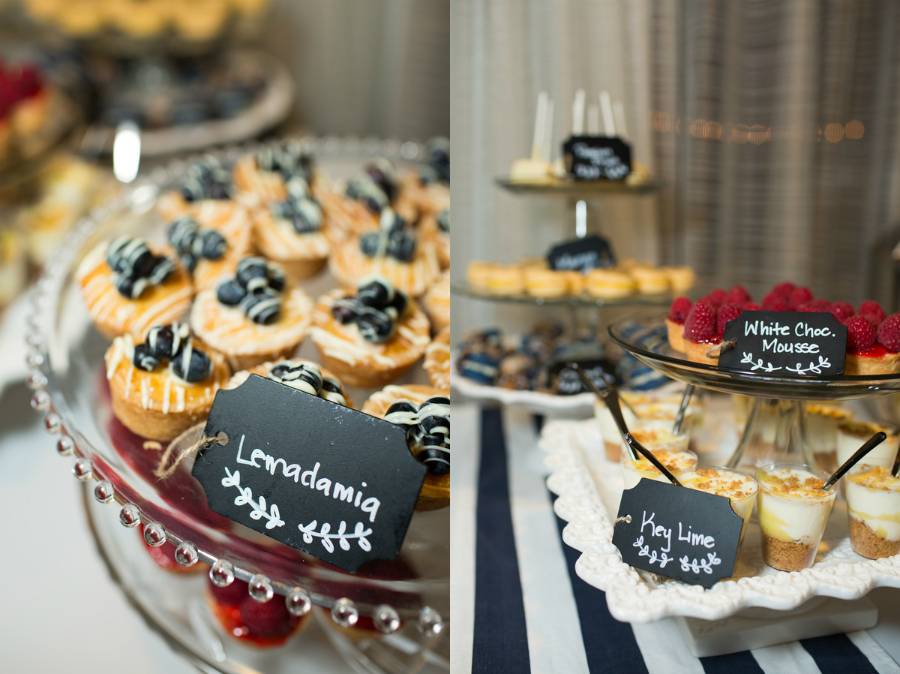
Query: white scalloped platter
(589,488)
(581,404)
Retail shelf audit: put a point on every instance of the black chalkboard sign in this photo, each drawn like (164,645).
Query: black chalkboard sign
(584,254)
(326,479)
(786,343)
(677,532)
(597,157)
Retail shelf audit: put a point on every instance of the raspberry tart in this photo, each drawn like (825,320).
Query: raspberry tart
(678,313)
(866,349)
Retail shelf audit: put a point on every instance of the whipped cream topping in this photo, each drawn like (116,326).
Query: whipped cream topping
(740,489)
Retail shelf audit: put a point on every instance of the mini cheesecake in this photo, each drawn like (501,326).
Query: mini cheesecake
(793,512)
(873,507)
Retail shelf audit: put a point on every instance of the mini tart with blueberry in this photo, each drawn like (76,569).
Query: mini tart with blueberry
(436,229)
(129,288)
(206,180)
(210,239)
(436,302)
(254,317)
(437,360)
(370,337)
(429,189)
(425,413)
(290,231)
(352,211)
(303,375)
(165,384)
(395,252)
(262,177)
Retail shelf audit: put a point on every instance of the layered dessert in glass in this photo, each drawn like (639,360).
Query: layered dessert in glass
(677,461)
(852,434)
(793,512)
(738,488)
(873,508)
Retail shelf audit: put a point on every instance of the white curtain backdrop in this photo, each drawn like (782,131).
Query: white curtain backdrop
(772,127)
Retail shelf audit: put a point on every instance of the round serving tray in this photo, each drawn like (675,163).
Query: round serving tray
(581,404)
(269,109)
(65,359)
(657,354)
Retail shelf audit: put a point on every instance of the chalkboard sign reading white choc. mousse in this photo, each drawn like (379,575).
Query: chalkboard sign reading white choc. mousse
(677,532)
(597,158)
(786,343)
(584,254)
(320,477)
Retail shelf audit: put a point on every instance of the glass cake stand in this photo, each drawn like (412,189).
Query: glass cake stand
(778,402)
(388,617)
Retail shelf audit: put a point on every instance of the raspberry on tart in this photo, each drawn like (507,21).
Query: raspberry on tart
(872,311)
(800,295)
(738,295)
(776,302)
(678,313)
(727,313)
(865,355)
(700,332)
(841,310)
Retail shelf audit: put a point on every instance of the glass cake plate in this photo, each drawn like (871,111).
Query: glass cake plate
(652,348)
(65,361)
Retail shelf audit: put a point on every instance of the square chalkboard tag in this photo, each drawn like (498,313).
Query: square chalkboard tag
(597,157)
(677,532)
(584,254)
(785,343)
(326,479)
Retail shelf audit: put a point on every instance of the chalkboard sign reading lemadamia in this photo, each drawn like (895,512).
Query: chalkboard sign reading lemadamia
(785,343)
(320,477)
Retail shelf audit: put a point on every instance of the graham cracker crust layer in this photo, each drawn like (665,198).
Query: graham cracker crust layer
(787,555)
(867,543)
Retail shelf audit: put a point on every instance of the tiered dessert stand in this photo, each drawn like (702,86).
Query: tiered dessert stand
(387,618)
(577,194)
(759,606)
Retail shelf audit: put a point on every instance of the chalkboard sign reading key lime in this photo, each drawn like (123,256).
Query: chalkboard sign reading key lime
(677,532)
(320,477)
(584,254)
(785,344)
(597,157)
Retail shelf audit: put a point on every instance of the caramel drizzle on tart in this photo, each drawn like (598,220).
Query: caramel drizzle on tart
(437,360)
(345,342)
(427,430)
(157,304)
(190,377)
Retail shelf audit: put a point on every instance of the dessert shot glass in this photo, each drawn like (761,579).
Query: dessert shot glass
(793,512)
(737,487)
(873,508)
(678,461)
(851,434)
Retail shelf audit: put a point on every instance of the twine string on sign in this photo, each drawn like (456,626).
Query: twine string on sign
(175,454)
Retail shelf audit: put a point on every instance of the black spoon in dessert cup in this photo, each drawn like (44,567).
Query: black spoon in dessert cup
(896,468)
(610,397)
(857,456)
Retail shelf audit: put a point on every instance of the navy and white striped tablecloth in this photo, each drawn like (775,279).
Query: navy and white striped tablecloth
(517,605)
